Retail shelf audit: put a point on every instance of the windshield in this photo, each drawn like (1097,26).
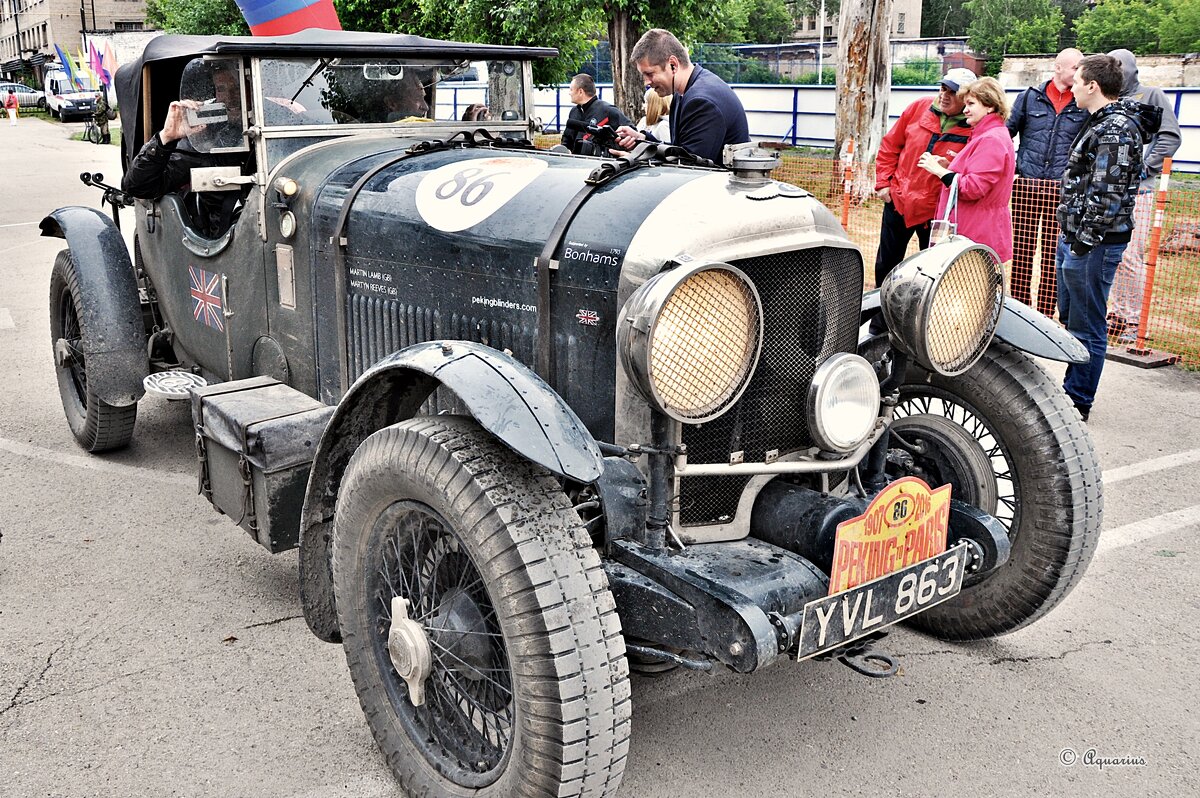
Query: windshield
(341,91)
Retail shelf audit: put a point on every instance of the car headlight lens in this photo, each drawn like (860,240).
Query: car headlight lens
(843,402)
(689,339)
(942,304)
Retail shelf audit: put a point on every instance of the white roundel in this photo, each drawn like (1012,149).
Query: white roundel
(459,195)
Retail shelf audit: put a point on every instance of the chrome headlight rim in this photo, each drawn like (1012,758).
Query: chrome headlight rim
(638,324)
(825,381)
(909,318)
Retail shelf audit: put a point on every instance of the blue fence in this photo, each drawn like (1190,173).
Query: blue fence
(803,116)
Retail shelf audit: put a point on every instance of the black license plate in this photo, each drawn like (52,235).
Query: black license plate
(836,620)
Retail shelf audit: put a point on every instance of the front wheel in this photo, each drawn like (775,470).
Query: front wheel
(479,629)
(96,425)
(93,134)
(1020,452)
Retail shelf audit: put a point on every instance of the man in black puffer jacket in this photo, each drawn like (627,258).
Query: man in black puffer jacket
(1098,193)
(590,110)
(1047,120)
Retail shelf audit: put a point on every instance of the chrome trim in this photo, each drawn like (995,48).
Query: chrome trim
(807,466)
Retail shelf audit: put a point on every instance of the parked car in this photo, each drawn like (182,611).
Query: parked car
(65,99)
(535,419)
(27,97)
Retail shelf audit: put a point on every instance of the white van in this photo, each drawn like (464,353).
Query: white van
(64,99)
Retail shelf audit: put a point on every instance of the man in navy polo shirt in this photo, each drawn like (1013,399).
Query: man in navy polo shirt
(705,113)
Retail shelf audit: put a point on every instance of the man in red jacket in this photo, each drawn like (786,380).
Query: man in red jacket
(910,194)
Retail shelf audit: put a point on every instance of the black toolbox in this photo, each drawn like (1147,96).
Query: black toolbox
(256,439)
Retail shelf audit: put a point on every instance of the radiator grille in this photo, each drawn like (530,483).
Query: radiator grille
(378,327)
(811,302)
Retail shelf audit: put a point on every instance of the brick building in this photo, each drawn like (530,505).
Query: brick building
(29,29)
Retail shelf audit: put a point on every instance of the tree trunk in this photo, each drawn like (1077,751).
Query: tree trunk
(628,86)
(864,78)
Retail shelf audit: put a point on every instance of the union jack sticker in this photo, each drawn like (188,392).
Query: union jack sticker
(589,317)
(206,298)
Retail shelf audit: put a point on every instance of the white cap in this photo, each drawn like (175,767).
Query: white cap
(958,77)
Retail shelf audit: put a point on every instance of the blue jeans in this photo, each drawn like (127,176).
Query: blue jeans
(1083,287)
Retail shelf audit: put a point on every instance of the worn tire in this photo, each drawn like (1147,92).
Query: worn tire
(539,580)
(1050,491)
(96,425)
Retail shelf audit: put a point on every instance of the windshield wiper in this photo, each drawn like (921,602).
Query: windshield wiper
(324,62)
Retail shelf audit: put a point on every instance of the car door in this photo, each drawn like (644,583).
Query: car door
(27,96)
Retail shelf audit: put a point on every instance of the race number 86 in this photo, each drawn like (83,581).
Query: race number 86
(934,580)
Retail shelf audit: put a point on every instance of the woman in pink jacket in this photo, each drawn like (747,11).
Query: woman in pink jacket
(985,170)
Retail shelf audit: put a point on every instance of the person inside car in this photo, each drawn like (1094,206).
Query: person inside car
(164,164)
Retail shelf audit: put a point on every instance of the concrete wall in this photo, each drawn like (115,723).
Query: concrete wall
(1153,70)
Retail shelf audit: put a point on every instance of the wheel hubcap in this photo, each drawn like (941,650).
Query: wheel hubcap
(63,356)
(408,647)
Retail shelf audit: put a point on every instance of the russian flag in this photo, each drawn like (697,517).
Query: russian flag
(279,17)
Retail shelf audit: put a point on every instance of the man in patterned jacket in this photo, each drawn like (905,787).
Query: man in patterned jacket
(1095,212)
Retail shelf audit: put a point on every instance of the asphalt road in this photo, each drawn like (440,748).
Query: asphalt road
(149,648)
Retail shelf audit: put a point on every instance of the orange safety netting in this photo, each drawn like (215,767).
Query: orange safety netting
(1149,308)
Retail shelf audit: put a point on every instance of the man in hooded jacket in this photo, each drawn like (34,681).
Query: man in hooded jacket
(1130,285)
(1095,212)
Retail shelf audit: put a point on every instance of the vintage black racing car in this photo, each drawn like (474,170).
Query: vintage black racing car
(535,420)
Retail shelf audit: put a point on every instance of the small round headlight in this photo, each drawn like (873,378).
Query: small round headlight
(689,339)
(843,402)
(942,304)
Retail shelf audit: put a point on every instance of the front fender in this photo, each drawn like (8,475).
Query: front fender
(503,395)
(1021,326)
(109,306)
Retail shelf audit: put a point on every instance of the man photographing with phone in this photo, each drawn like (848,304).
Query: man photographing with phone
(205,120)
(705,113)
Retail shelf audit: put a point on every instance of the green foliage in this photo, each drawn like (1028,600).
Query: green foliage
(570,26)
(197,17)
(1012,26)
(1072,9)
(1143,26)
(386,16)
(918,72)
(828,78)
(744,22)
(1180,29)
(768,21)
(731,67)
(944,18)
(1132,24)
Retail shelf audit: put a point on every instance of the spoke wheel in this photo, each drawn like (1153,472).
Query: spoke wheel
(511,634)
(466,722)
(1043,486)
(96,425)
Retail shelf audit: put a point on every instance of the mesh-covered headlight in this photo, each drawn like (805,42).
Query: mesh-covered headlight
(942,304)
(843,402)
(689,339)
